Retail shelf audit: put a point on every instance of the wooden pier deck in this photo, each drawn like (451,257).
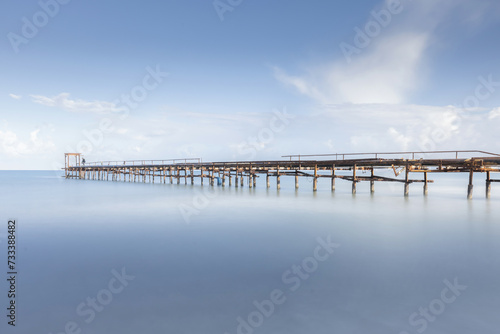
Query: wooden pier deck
(298,166)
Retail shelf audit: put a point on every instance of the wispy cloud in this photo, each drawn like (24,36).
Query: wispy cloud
(64,102)
(388,69)
(16,97)
(384,75)
(186,133)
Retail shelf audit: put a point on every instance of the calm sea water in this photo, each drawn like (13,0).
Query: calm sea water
(238,260)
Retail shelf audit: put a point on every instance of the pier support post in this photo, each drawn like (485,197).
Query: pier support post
(354,180)
(230,178)
(407,189)
(254,180)
(471,186)
(372,183)
(178,176)
(192,175)
(278,183)
(407,184)
(488,185)
(170,174)
(296,180)
(267,179)
(212,176)
(223,176)
(315,182)
(250,183)
(236,178)
(242,180)
(333,177)
(202,175)
(426,186)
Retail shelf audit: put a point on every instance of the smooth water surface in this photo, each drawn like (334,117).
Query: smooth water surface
(209,260)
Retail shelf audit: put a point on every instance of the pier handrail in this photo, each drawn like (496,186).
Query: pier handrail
(377,154)
(142,162)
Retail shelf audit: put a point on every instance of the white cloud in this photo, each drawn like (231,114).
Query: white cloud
(495,113)
(384,74)
(64,102)
(12,145)
(382,127)
(402,140)
(333,129)
(390,65)
(16,97)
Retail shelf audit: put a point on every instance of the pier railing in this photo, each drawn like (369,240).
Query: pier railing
(344,166)
(380,155)
(144,162)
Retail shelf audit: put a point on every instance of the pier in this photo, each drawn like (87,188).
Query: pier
(345,166)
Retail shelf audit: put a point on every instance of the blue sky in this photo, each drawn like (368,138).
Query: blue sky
(246,79)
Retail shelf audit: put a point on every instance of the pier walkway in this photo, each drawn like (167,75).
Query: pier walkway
(345,166)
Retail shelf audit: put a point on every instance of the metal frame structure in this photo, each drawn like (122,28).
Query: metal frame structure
(415,162)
